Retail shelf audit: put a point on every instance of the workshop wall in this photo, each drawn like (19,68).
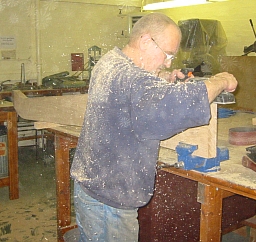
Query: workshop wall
(68,26)
(83,26)
(234,16)
(16,41)
(43,34)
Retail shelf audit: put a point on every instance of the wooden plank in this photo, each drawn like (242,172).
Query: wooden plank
(204,136)
(67,109)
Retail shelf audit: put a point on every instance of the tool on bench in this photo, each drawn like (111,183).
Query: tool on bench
(187,161)
(225,98)
(249,160)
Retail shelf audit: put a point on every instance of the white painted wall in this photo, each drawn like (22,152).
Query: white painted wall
(64,27)
(68,26)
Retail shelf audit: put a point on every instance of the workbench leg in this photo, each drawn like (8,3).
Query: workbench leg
(210,198)
(62,167)
(12,138)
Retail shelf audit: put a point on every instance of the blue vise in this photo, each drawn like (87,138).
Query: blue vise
(187,161)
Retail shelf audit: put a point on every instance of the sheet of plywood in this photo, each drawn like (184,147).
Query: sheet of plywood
(204,136)
(67,109)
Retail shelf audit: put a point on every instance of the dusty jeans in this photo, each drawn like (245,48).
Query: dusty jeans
(99,222)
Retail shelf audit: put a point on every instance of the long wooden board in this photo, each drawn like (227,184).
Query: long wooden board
(66,109)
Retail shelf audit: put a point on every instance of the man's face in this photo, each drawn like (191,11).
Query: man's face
(161,53)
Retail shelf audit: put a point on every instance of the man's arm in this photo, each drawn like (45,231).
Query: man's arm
(220,82)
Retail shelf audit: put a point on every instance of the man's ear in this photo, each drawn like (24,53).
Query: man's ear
(145,41)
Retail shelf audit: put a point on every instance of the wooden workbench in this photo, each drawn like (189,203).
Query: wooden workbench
(45,92)
(222,200)
(8,116)
(234,182)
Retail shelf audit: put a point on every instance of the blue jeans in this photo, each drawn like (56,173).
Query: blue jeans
(99,222)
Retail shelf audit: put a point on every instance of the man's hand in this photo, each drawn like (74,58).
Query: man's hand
(220,82)
(231,82)
(173,76)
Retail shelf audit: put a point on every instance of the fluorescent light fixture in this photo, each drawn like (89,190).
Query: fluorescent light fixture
(174,4)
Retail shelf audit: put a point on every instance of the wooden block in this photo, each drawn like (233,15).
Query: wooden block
(204,136)
(254,121)
(66,110)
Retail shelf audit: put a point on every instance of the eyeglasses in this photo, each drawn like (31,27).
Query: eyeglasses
(168,57)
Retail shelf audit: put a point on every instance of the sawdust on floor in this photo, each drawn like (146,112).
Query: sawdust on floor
(32,217)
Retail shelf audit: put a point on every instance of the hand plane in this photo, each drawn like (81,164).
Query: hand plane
(188,72)
(225,98)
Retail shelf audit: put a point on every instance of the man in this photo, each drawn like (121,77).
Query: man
(129,110)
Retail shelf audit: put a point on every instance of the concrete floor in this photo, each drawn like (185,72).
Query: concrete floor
(32,217)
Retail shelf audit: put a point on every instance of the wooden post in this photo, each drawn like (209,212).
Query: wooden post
(210,198)
(62,166)
(13,155)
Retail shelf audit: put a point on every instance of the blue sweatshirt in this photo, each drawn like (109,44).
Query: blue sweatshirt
(129,111)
